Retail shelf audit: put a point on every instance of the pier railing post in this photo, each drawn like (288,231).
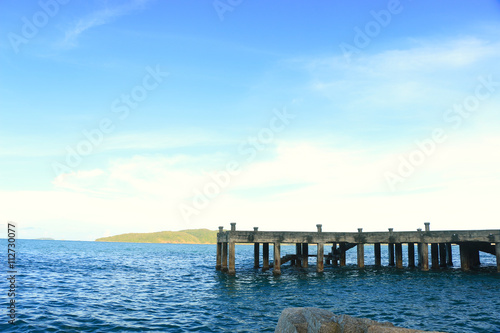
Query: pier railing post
(319,258)
(277,259)
(265,256)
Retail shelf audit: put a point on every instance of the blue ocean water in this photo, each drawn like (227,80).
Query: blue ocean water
(66,286)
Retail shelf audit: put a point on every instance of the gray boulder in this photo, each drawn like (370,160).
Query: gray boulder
(314,320)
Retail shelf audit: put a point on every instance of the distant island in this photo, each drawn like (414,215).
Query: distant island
(44,238)
(191,236)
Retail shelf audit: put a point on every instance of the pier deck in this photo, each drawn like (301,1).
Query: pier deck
(469,241)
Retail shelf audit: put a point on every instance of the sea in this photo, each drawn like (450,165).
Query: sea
(73,286)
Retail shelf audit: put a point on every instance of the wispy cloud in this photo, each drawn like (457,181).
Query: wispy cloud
(100,17)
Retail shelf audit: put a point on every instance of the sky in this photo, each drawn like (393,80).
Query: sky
(148,115)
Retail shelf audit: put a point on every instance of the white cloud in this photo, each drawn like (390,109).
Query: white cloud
(101,17)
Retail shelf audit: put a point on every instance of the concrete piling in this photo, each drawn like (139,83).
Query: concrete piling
(232,257)
(224,257)
(277,259)
(399,255)
(424,262)
(442,255)
(411,255)
(378,257)
(305,255)
(265,256)
(319,258)
(298,253)
(361,250)
(434,256)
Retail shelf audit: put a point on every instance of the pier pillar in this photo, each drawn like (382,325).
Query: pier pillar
(442,254)
(411,255)
(218,264)
(390,247)
(232,256)
(419,249)
(497,251)
(361,255)
(305,255)
(224,256)
(424,258)
(449,255)
(342,247)
(399,255)
(233,226)
(277,259)
(256,256)
(361,251)
(434,256)
(378,257)
(391,254)
(465,257)
(319,258)
(265,256)
(335,253)
(298,252)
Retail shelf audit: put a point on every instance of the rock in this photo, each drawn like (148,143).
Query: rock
(314,320)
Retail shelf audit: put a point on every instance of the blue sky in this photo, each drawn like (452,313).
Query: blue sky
(140,116)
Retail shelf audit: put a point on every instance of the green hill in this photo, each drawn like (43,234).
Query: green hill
(191,236)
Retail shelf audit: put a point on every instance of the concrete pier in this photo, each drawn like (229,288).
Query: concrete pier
(471,243)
